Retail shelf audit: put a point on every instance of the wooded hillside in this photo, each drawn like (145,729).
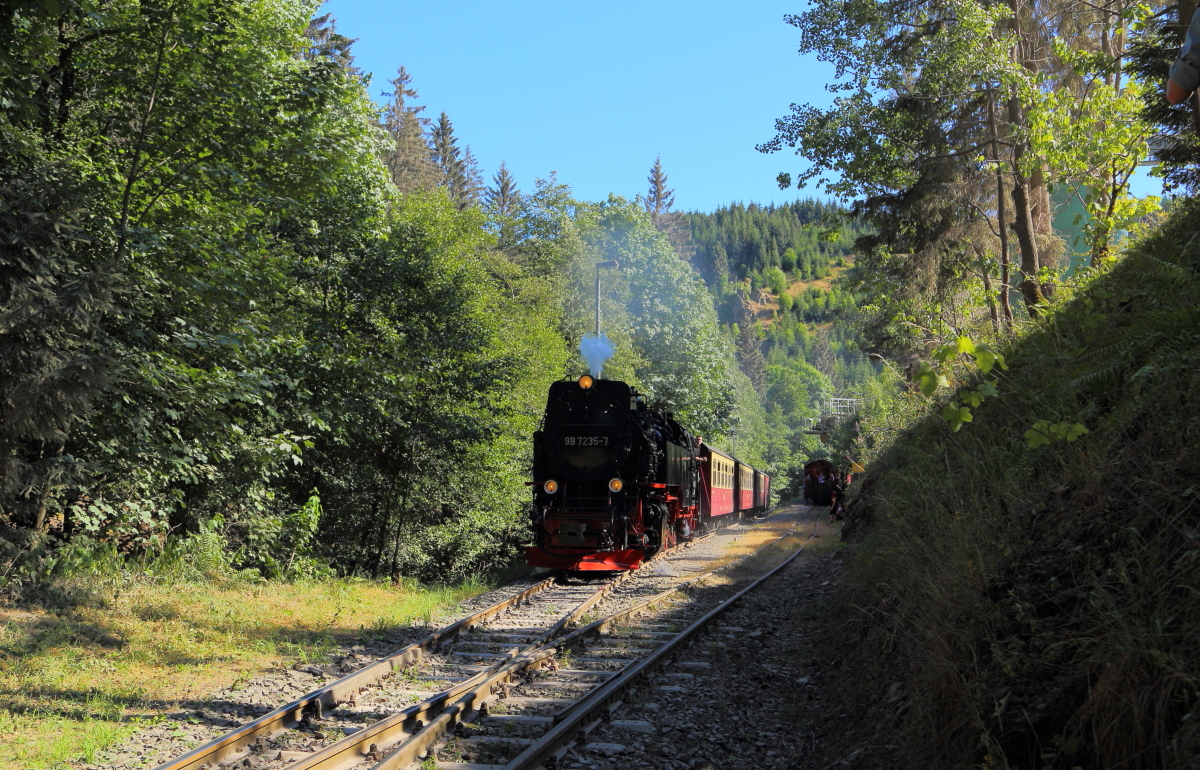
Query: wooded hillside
(239,298)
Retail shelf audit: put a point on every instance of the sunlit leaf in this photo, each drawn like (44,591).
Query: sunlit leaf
(1036,438)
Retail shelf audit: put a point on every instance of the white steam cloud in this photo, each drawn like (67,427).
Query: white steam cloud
(596,350)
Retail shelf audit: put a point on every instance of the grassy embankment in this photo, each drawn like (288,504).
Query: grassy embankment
(129,647)
(1040,608)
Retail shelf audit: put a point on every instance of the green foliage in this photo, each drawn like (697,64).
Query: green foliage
(1154,46)
(971,552)
(287,321)
(1043,433)
(659,314)
(800,238)
(775,280)
(944,109)
(930,377)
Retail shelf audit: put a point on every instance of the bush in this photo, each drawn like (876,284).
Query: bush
(775,280)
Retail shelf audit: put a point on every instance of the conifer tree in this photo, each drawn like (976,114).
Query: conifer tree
(327,44)
(504,197)
(410,162)
(445,147)
(460,172)
(659,200)
(1177,129)
(749,348)
(473,188)
(504,201)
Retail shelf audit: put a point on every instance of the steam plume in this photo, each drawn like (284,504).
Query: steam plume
(596,350)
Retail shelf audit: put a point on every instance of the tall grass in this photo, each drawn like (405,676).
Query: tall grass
(1044,605)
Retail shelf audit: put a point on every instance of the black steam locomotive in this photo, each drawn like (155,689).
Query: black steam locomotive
(615,481)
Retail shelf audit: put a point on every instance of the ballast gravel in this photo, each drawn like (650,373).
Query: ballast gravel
(750,693)
(174,732)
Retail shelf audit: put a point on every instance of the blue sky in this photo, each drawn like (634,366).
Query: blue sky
(595,91)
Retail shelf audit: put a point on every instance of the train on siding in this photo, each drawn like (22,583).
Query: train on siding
(615,481)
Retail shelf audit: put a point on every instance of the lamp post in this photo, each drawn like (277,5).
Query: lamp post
(609,263)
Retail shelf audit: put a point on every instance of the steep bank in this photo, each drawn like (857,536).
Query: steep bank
(1041,607)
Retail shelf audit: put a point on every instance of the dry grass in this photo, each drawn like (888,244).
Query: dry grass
(75,682)
(764,312)
(780,539)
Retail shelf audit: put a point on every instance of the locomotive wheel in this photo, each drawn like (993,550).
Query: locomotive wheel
(657,530)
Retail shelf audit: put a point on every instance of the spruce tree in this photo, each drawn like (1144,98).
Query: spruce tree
(749,347)
(473,188)
(411,161)
(445,149)
(460,172)
(504,197)
(658,202)
(327,44)
(659,198)
(504,201)
(1177,143)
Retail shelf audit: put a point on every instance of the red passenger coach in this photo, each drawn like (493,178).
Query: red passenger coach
(730,487)
(743,493)
(762,491)
(716,495)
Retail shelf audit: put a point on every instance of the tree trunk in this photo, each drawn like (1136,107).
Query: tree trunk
(986,272)
(1042,210)
(403,511)
(1001,216)
(1024,223)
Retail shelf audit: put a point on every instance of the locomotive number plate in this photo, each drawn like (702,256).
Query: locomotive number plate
(585,440)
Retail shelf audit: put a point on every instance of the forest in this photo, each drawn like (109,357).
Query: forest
(1019,575)
(247,309)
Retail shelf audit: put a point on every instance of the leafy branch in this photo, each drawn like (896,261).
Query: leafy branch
(930,378)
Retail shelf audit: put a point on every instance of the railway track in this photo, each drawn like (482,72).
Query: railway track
(571,695)
(357,719)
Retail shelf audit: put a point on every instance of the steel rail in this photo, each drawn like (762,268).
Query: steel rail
(423,740)
(405,726)
(408,720)
(592,706)
(335,692)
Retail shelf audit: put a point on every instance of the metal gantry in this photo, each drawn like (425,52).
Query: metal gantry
(832,413)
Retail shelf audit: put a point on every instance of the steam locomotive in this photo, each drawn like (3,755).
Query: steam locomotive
(615,481)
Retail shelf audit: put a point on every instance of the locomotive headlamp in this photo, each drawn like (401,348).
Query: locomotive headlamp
(550,486)
(615,485)
(586,381)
